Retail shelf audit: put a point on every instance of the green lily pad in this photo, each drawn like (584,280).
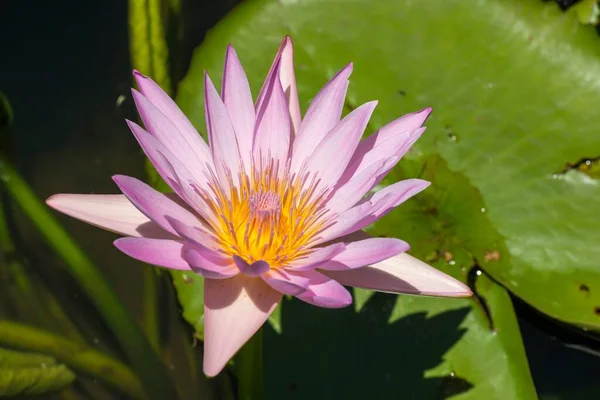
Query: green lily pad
(514,91)
(31,374)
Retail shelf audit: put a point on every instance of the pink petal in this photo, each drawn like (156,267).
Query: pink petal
(112,212)
(324,292)
(198,234)
(255,269)
(288,83)
(407,123)
(351,192)
(221,134)
(364,252)
(208,263)
(167,106)
(284,282)
(154,204)
(173,172)
(167,134)
(234,309)
(392,140)
(323,114)
(283,64)
(402,274)
(372,208)
(319,256)
(341,141)
(237,98)
(272,135)
(164,253)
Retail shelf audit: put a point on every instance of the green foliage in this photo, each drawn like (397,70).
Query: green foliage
(31,374)
(513,88)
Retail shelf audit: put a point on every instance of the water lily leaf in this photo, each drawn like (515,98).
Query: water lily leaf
(514,91)
(31,374)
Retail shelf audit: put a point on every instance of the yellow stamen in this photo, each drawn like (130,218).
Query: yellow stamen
(267,214)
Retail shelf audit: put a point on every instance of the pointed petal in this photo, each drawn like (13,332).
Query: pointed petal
(402,274)
(167,134)
(407,123)
(284,282)
(272,135)
(154,204)
(237,98)
(234,309)
(172,170)
(350,193)
(255,269)
(164,253)
(323,114)
(340,142)
(392,140)
(167,106)
(364,252)
(324,292)
(197,235)
(208,263)
(221,135)
(288,83)
(372,208)
(112,212)
(319,256)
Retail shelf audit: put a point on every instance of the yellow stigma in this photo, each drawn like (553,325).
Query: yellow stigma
(267,214)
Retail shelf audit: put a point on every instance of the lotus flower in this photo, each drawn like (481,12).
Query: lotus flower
(274,205)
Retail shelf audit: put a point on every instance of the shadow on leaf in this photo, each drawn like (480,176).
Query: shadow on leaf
(326,354)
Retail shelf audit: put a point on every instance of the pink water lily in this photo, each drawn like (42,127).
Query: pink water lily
(274,205)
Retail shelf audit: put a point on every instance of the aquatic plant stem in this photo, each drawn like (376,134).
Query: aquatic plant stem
(131,337)
(249,366)
(75,355)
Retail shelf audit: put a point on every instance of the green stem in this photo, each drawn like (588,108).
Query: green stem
(249,367)
(151,306)
(84,359)
(131,337)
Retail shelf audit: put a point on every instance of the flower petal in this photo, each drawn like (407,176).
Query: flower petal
(154,204)
(323,114)
(221,134)
(372,208)
(208,263)
(324,292)
(272,136)
(283,64)
(167,106)
(164,253)
(284,282)
(288,83)
(352,191)
(168,135)
(234,309)
(113,212)
(237,98)
(392,140)
(197,234)
(402,274)
(319,256)
(255,269)
(364,252)
(341,141)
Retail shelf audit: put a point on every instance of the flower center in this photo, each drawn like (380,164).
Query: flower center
(265,205)
(268,214)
